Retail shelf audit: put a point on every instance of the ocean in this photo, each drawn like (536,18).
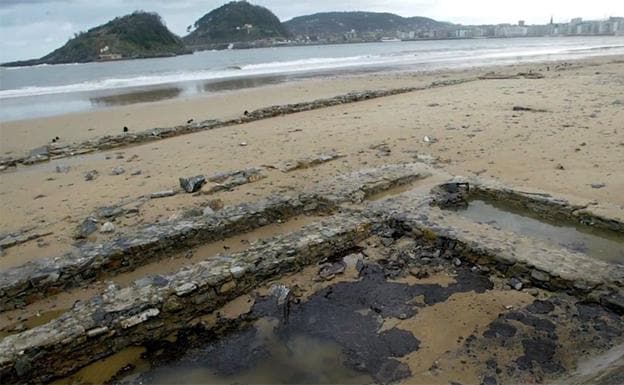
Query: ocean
(47,90)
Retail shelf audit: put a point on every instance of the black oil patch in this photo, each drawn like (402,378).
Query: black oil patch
(541,307)
(499,328)
(541,324)
(350,313)
(550,333)
(539,352)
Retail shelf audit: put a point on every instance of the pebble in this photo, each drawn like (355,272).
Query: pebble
(107,227)
(516,284)
(86,228)
(118,171)
(598,185)
(91,175)
(192,185)
(62,168)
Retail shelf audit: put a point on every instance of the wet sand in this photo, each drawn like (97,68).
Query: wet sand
(23,135)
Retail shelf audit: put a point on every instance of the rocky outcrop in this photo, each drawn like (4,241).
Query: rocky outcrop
(529,261)
(19,237)
(229,180)
(311,161)
(37,279)
(34,280)
(154,307)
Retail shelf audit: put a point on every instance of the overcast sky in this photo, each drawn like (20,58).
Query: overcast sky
(32,28)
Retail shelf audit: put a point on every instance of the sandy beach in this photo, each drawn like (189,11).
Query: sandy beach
(572,140)
(562,133)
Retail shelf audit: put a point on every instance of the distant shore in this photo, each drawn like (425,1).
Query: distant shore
(38,62)
(263,44)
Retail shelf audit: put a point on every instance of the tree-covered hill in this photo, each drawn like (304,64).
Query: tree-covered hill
(138,35)
(237,21)
(338,23)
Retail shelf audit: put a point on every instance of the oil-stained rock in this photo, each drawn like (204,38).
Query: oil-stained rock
(192,184)
(144,311)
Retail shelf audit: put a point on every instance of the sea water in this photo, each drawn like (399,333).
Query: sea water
(46,90)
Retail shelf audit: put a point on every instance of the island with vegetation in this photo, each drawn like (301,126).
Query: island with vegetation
(138,35)
(237,23)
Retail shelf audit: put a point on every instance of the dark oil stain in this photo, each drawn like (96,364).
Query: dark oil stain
(347,314)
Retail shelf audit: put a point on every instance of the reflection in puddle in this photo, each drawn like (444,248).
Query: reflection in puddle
(242,83)
(259,356)
(143,96)
(600,244)
(397,190)
(105,369)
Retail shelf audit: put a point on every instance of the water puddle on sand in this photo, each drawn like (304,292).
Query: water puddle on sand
(600,244)
(259,356)
(420,184)
(106,368)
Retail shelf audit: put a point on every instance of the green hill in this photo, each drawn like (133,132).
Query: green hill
(339,23)
(237,21)
(138,35)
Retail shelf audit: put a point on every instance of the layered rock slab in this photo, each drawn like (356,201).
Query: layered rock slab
(156,306)
(529,260)
(37,279)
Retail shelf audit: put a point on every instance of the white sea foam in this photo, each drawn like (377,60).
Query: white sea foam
(414,54)
(271,68)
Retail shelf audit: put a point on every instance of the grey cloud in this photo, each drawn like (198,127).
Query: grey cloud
(13,3)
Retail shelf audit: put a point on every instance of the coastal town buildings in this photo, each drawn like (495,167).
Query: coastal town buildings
(575,27)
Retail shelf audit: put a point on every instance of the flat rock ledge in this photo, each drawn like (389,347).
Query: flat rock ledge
(154,307)
(56,151)
(533,262)
(37,279)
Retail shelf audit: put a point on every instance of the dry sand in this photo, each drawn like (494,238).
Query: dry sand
(576,142)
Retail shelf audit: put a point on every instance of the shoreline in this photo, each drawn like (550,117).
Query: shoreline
(19,137)
(301,44)
(97,85)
